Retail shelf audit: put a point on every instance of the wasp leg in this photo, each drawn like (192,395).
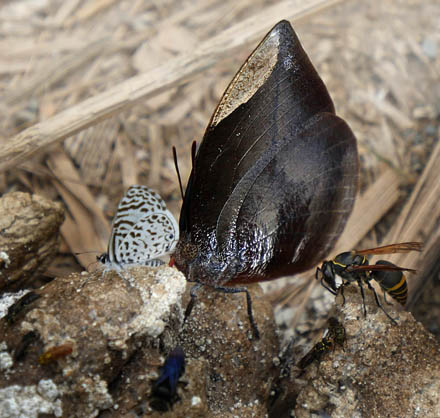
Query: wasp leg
(359,282)
(190,305)
(380,305)
(385,298)
(328,288)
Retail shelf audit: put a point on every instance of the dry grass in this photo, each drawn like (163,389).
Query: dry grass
(94,94)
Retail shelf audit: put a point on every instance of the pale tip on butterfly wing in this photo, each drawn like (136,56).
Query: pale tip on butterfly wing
(143,230)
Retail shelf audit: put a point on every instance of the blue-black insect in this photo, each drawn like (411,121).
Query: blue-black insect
(164,391)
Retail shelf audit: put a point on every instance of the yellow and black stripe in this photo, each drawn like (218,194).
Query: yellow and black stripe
(392,282)
(353,267)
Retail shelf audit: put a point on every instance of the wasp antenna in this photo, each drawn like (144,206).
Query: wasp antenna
(176,164)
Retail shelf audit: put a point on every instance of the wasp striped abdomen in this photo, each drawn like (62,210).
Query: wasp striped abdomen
(392,282)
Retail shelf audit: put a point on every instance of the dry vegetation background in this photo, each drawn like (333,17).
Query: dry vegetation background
(95,93)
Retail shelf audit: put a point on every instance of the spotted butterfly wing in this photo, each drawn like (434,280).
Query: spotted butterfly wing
(143,229)
(152,237)
(275,177)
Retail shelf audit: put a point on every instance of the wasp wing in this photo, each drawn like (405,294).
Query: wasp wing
(378,267)
(401,247)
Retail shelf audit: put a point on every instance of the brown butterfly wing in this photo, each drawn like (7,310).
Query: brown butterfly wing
(275,176)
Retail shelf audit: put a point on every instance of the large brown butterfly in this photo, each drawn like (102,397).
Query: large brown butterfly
(274,179)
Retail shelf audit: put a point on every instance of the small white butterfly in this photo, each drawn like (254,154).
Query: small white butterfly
(143,230)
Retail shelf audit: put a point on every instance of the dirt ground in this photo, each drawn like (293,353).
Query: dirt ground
(379,60)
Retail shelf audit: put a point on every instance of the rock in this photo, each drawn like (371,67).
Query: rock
(228,374)
(104,325)
(384,370)
(29,237)
(240,369)
(100,339)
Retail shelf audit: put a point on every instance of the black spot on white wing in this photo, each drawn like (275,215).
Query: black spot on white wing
(143,229)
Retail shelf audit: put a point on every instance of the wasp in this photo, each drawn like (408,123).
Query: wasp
(353,266)
(335,336)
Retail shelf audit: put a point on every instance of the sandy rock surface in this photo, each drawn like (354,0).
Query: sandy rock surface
(383,370)
(94,343)
(29,236)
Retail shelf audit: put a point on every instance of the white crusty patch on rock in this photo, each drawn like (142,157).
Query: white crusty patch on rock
(97,390)
(165,292)
(30,401)
(7,299)
(5,359)
(4,257)
(159,297)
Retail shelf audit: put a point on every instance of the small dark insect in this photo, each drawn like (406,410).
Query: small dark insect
(353,266)
(19,306)
(26,341)
(274,178)
(55,353)
(164,392)
(318,350)
(335,336)
(336,332)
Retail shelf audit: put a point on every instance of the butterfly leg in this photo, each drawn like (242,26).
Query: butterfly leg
(190,305)
(249,305)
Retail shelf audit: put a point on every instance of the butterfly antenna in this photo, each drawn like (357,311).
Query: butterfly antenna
(193,154)
(85,252)
(91,264)
(176,164)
